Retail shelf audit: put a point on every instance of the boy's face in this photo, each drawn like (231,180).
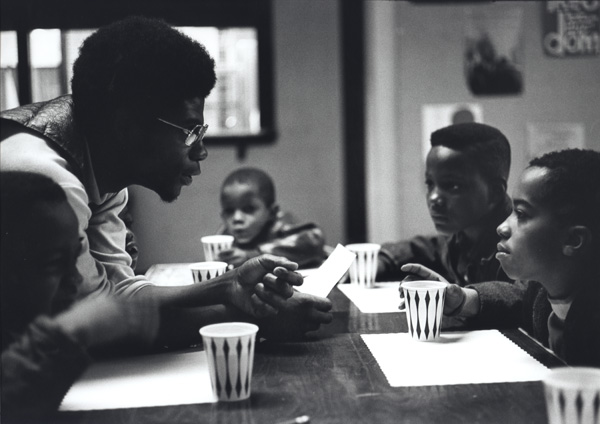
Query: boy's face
(532,236)
(47,279)
(244,212)
(457,195)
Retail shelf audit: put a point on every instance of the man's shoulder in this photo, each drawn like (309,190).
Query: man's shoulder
(30,152)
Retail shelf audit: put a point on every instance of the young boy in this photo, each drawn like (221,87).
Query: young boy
(466,176)
(45,340)
(553,237)
(250,214)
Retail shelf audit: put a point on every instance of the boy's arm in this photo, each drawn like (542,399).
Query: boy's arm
(39,368)
(500,304)
(424,250)
(490,304)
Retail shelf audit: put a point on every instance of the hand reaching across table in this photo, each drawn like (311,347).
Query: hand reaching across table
(455,295)
(263,284)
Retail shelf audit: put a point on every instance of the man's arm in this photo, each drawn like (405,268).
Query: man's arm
(300,314)
(259,287)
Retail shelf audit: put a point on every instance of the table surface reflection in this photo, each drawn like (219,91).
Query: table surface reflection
(333,378)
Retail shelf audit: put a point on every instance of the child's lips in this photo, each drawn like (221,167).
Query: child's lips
(439,217)
(503,252)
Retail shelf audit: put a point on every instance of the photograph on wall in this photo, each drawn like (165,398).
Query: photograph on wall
(571,28)
(493,56)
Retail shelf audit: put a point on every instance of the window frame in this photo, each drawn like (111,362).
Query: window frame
(23,16)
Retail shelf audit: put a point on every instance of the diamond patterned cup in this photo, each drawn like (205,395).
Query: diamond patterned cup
(424,303)
(573,395)
(202,271)
(212,245)
(364,267)
(230,350)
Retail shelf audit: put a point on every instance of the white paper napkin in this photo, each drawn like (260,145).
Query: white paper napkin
(472,357)
(173,378)
(382,298)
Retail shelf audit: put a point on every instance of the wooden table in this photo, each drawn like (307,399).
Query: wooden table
(333,378)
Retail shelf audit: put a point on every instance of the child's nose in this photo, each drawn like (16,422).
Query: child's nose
(503,230)
(435,198)
(238,216)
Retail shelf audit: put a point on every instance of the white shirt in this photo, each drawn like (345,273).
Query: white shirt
(103,261)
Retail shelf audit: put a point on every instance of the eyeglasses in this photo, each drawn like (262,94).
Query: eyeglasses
(196,134)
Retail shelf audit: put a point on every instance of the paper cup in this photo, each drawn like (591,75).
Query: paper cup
(573,395)
(230,351)
(212,245)
(364,266)
(424,303)
(202,271)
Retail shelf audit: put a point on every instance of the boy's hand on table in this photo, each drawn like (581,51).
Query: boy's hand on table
(455,295)
(263,284)
(301,313)
(418,272)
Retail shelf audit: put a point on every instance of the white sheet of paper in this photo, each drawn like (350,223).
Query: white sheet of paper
(472,357)
(173,378)
(383,298)
(321,281)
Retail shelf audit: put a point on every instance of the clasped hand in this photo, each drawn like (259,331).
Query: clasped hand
(263,284)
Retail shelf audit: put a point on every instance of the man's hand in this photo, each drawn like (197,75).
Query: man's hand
(300,314)
(263,284)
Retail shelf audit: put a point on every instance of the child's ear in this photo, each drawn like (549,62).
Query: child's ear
(579,237)
(274,210)
(498,190)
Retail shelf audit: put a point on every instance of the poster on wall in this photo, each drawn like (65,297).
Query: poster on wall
(494,51)
(571,28)
(544,137)
(436,116)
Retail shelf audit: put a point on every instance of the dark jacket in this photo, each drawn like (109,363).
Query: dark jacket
(302,243)
(60,129)
(582,324)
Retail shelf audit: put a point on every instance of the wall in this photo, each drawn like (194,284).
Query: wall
(305,161)
(416,58)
